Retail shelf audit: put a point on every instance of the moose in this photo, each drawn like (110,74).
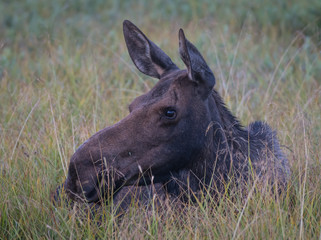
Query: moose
(179,136)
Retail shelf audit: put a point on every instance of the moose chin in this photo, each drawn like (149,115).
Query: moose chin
(179,137)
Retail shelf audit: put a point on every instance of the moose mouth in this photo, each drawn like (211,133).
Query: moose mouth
(108,180)
(117,180)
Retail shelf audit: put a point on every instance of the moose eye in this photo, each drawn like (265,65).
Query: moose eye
(170,113)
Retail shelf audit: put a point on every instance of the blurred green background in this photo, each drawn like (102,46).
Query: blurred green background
(36,18)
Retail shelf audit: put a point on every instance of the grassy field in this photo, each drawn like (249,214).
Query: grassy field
(65,73)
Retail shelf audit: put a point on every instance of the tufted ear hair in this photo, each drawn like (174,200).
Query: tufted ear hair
(198,70)
(146,55)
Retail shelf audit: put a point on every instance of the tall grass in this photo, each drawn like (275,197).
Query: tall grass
(65,73)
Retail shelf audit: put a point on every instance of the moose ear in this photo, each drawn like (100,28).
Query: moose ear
(146,55)
(198,70)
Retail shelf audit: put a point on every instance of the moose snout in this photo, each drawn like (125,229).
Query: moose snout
(91,175)
(102,164)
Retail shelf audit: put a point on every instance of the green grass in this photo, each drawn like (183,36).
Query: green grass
(65,73)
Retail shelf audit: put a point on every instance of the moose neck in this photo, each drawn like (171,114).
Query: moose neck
(225,140)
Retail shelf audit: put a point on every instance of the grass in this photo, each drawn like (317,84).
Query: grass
(65,73)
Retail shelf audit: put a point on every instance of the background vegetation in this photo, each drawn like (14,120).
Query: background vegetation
(65,73)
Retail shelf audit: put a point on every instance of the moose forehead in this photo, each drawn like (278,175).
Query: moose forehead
(171,83)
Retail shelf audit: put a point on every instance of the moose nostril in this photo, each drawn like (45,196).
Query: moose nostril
(91,193)
(95,191)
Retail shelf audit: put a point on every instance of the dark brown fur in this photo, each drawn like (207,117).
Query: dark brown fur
(178,136)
